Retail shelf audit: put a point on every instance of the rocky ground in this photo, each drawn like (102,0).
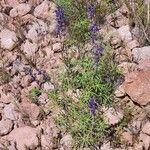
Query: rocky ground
(30,57)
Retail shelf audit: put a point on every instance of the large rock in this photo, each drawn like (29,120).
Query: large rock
(10,112)
(144,141)
(137,86)
(8,39)
(146,128)
(20,10)
(142,53)
(125,33)
(25,138)
(30,109)
(42,10)
(5,127)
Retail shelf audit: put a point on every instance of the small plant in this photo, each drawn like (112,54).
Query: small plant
(34,94)
(82,117)
(79,15)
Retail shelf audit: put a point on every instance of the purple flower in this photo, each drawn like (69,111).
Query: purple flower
(98,53)
(91,8)
(93,30)
(92,106)
(61,20)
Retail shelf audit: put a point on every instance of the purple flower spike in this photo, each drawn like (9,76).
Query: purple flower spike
(92,106)
(93,30)
(98,54)
(61,20)
(91,8)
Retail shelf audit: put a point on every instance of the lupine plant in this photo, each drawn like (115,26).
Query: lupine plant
(83,118)
(93,74)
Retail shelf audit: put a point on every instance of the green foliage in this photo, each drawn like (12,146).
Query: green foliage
(33,95)
(91,81)
(78,21)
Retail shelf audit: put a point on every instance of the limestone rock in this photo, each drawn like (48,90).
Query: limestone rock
(8,39)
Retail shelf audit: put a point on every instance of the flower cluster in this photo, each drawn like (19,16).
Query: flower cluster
(92,106)
(93,30)
(98,53)
(61,20)
(91,8)
(34,74)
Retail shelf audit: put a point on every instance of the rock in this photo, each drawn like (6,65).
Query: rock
(120,92)
(48,51)
(42,10)
(146,128)
(126,67)
(6,98)
(48,86)
(106,146)
(57,47)
(135,126)
(112,116)
(25,138)
(18,66)
(43,98)
(145,141)
(5,127)
(8,39)
(29,48)
(144,64)
(117,19)
(37,29)
(67,141)
(132,44)
(127,137)
(26,80)
(12,3)
(116,42)
(10,112)
(141,53)
(20,10)
(125,34)
(31,110)
(46,142)
(137,86)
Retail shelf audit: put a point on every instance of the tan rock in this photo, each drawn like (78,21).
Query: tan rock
(29,48)
(120,92)
(8,39)
(25,137)
(127,137)
(67,141)
(30,109)
(42,10)
(141,53)
(145,141)
(132,44)
(125,33)
(116,42)
(137,86)
(20,10)
(5,126)
(10,112)
(57,47)
(126,67)
(112,116)
(146,128)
